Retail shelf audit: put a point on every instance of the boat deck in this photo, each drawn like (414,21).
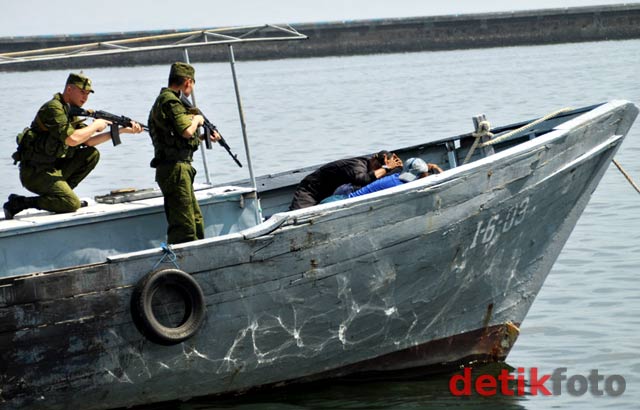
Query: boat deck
(100,230)
(110,206)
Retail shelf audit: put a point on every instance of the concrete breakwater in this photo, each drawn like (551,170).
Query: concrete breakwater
(547,26)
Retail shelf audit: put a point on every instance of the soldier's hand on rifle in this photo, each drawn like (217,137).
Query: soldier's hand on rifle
(135,128)
(215,136)
(199,119)
(191,131)
(100,124)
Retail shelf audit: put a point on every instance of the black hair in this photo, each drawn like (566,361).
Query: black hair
(176,80)
(379,156)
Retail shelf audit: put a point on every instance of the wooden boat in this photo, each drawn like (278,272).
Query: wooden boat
(434,273)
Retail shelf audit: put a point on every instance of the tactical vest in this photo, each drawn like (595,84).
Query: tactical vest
(168,145)
(37,145)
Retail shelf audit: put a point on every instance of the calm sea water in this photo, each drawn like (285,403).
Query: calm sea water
(308,111)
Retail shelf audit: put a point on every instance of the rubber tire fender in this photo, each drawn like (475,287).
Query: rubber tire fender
(142,306)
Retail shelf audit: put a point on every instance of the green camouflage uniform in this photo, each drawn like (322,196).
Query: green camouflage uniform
(48,166)
(174,174)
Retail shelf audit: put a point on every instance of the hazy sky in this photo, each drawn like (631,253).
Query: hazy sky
(36,17)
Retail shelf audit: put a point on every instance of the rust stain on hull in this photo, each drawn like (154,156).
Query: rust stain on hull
(485,345)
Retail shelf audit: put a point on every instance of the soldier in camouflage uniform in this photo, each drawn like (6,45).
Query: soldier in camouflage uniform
(58,151)
(174,132)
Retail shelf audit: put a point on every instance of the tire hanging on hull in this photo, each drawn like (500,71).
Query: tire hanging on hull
(142,303)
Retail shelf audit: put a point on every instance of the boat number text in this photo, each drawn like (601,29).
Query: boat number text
(500,223)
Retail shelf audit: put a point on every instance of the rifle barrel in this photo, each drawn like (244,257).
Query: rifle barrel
(209,128)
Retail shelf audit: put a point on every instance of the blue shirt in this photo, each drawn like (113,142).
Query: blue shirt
(383,183)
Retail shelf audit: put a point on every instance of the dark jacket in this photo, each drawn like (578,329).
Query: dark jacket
(322,182)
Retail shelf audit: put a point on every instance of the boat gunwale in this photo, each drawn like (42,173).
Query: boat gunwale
(296,217)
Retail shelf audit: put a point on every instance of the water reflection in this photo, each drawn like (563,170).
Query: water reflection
(430,392)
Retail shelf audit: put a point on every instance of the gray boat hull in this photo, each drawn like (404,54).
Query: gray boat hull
(436,271)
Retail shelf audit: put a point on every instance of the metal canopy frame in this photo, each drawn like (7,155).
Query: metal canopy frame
(181,40)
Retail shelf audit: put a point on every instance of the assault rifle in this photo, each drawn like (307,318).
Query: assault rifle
(116,121)
(209,128)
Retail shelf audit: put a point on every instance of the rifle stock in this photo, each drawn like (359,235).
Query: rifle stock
(209,128)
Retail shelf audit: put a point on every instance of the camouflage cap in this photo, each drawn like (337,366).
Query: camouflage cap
(81,81)
(180,69)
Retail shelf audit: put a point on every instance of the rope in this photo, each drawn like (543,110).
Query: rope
(482,131)
(485,126)
(166,252)
(526,127)
(633,184)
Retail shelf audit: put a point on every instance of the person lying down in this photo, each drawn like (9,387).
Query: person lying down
(414,168)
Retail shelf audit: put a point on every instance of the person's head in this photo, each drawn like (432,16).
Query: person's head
(182,77)
(77,89)
(414,168)
(379,159)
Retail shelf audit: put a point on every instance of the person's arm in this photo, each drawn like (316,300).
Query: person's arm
(359,173)
(54,118)
(390,164)
(215,136)
(85,135)
(378,185)
(135,128)
(106,136)
(196,121)
(433,168)
(381,172)
(184,123)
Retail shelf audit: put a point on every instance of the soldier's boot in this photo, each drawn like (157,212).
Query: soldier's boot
(16,204)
